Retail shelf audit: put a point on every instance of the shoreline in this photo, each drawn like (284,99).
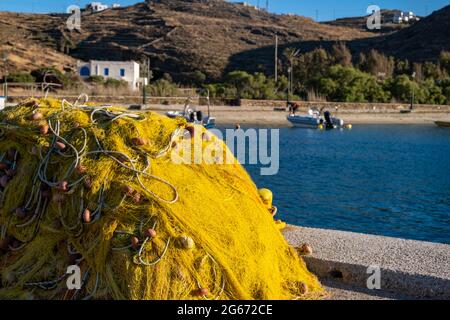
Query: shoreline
(235,115)
(258,114)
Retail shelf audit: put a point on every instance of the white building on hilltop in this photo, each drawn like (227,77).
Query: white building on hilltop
(127,71)
(97,6)
(405,17)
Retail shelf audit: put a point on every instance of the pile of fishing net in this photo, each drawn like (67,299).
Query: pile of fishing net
(97,188)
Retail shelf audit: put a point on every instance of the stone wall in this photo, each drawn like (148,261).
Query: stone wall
(346,106)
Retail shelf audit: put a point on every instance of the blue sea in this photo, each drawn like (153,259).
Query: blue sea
(391,180)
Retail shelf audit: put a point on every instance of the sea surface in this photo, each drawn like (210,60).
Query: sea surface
(391,180)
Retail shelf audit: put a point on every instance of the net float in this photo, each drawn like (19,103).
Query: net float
(137,198)
(128,190)
(37,116)
(150,233)
(21,213)
(134,242)
(44,129)
(3,166)
(4,180)
(305,249)
(86,216)
(202,292)
(60,145)
(139,141)
(81,169)
(303,288)
(187,242)
(174,144)
(63,186)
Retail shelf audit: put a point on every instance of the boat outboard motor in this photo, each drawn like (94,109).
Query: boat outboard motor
(199,116)
(328,120)
(192,117)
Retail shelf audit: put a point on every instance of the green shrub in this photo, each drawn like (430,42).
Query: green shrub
(162,88)
(96,79)
(114,83)
(348,84)
(21,78)
(51,75)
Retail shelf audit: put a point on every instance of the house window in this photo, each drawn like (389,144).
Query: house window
(106,72)
(122,72)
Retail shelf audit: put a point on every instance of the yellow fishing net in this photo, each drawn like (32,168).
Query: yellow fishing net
(97,188)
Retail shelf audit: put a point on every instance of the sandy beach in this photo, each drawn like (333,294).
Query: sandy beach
(227,115)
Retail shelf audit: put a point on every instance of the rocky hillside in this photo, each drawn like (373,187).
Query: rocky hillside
(211,36)
(23,43)
(180,36)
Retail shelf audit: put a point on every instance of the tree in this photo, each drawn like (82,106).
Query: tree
(402,67)
(417,72)
(291,55)
(431,93)
(341,55)
(362,62)
(444,60)
(240,80)
(311,66)
(198,77)
(445,89)
(348,84)
(379,65)
(402,87)
(432,70)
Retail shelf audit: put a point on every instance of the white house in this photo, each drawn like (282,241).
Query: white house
(120,70)
(404,17)
(98,6)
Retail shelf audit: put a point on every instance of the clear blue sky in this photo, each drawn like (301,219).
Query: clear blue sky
(326,9)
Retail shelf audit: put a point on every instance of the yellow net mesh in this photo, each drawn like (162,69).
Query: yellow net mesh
(97,188)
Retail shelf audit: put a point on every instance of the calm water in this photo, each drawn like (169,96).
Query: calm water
(380,179)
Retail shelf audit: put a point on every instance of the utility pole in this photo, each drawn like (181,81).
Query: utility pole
(5,76)
(267,5)
(276,58)
(147,72)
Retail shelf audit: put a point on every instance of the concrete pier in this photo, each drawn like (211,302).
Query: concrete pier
(408,269)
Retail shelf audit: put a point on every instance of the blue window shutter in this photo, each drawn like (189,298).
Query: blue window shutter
(122,72)
(106,73)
